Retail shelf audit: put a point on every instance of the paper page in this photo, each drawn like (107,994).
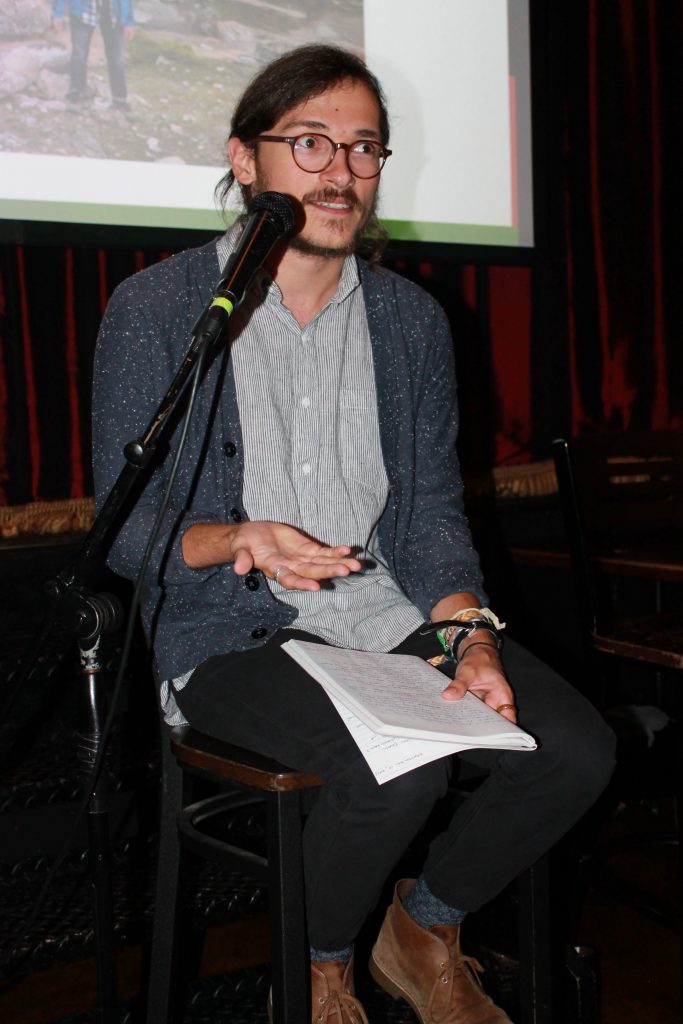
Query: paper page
(391,756)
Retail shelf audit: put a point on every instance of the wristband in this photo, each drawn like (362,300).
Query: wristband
(471,627)
(479,643)
(451,632)
(466,621)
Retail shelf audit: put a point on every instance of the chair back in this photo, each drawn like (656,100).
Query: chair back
(619,492)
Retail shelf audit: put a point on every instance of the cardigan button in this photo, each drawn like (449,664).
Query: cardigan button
(251,583)
(235,515)
(230,449)
(259,632)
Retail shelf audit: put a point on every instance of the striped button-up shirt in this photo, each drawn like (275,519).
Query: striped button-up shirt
(313,456)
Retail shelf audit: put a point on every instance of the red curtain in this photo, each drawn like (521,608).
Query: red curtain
(623,218)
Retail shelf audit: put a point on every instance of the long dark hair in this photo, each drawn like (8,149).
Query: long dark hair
(290,80)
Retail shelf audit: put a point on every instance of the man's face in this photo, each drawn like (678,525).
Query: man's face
(336,204)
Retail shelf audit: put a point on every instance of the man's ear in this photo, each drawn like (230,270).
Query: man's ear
(242,161)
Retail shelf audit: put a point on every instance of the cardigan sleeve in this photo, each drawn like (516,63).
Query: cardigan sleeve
(132,366)
(441,536)
(424,530)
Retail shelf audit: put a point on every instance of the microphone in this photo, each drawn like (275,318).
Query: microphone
(271,217)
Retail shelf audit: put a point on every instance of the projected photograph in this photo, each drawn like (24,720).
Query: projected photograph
(149,80)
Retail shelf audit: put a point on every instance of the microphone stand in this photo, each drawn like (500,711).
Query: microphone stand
(89,616)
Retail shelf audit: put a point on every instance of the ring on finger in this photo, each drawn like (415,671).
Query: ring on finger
(278,570)
(505,707)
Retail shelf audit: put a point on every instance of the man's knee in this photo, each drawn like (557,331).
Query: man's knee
(580,758)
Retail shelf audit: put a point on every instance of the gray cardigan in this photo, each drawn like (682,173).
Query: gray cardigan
(192,614)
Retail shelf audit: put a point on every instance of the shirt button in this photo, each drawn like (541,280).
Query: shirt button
(306,468)
(230,449)
(305,401)
(259,632)
(235,515)
(251,583)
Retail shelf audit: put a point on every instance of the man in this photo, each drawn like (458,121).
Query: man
(319,497)
(115,19)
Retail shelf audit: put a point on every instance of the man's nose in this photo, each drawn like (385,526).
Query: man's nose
(338,172)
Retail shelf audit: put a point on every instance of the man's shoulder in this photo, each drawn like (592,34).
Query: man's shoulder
(396,299)
(390,284)
(187,267)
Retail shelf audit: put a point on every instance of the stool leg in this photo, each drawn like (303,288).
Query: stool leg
(167,906)
(289,951)
(535,962)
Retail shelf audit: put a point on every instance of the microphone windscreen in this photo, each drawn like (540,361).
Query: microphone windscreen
(280,209)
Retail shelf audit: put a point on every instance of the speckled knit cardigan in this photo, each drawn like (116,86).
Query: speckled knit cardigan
(193,614)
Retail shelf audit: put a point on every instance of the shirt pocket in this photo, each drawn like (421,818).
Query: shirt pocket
(359,443)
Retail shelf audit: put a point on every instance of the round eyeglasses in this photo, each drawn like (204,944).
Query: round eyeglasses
(314,153)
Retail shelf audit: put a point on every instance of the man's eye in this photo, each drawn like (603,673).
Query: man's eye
(366,148)
(308,142)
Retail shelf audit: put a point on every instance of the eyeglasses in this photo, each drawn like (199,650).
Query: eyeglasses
(314,153)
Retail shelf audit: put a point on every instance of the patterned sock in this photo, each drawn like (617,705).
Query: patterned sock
(427,909)
(325,955)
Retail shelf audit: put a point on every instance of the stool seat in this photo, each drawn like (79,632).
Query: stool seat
(226,762)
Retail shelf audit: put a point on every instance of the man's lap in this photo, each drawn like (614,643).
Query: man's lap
(263,700)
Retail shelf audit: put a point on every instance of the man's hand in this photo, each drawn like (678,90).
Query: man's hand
(481,672)
(275,548)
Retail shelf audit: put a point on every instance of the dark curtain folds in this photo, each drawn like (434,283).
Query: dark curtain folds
(622,136)
(584,338)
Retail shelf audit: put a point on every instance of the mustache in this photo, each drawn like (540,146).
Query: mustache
(333,195)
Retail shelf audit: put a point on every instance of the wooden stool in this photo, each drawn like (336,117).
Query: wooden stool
(249,776)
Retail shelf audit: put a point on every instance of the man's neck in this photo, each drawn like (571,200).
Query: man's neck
(307,282)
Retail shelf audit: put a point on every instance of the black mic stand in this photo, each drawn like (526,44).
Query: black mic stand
(89,616)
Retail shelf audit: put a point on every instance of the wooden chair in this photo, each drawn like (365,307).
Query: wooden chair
(249,776)
(187,826)
(622,502)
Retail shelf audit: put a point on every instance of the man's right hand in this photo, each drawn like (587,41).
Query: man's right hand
(299,561)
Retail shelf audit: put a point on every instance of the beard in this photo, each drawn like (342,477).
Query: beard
(307,246)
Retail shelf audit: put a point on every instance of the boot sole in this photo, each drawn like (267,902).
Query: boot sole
(392,987)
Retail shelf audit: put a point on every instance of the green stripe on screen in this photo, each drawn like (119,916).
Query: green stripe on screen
(211,220)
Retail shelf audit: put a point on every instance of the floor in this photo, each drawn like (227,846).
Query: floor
(639,959)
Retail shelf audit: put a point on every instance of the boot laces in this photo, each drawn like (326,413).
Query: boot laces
(467,965)
(347,1009)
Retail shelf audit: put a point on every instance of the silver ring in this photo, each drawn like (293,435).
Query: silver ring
(279,569)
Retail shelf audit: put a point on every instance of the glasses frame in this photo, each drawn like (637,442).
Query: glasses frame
(291,140)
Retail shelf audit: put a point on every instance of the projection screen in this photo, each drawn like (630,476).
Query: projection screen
(456,74)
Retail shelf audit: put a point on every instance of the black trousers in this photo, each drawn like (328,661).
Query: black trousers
(357,830)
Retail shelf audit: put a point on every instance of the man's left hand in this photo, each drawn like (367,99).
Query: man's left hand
(481,672)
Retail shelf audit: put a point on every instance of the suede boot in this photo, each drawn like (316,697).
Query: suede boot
(426,967)
(332,994)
